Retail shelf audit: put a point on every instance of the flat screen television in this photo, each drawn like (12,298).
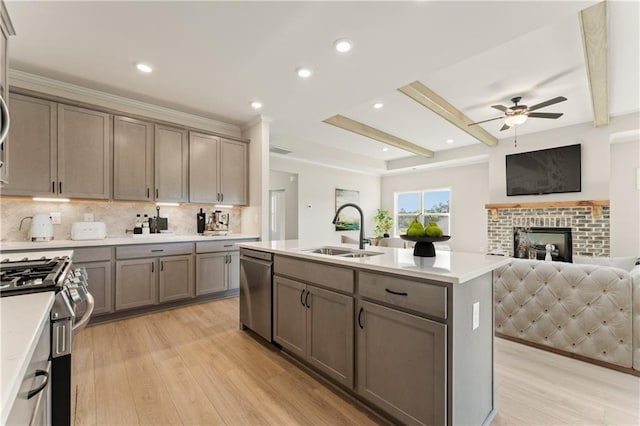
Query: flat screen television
(545,171)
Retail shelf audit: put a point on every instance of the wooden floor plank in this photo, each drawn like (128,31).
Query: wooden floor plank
(193,365)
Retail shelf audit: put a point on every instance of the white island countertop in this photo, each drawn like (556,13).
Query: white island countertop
(447,266)
(148,239)
(22,321)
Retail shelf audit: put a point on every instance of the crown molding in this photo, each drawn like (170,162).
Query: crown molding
(259,119)
(74,92)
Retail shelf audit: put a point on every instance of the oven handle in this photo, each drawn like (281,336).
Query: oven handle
(82,323)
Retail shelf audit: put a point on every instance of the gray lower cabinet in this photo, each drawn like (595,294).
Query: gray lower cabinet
(143,282)
(216,272)
(316,325)
(176,278)
(136,283)
(401,364)
(99,278)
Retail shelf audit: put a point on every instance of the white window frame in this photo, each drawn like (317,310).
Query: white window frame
(396,214)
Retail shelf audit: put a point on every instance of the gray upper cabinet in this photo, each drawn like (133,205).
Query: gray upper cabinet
(132,159)
(171,164)
(34,165)
(84,144)
(59,150)
(218,170)
(203,168)
(233,172)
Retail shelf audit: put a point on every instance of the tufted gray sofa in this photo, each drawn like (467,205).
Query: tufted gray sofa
(589,311)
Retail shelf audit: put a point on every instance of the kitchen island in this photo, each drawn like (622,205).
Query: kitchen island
(410,337)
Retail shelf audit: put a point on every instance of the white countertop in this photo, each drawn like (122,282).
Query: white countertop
(446,266)
(151,239)
(22,321)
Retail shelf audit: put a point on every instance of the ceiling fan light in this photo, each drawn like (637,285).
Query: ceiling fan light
(515,120)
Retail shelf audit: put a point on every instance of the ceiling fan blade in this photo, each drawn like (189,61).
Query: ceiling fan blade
(500,107)
(545,114)
(505,127)
(484,121)
(547,103)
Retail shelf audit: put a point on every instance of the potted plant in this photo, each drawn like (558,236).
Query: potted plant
(384,223)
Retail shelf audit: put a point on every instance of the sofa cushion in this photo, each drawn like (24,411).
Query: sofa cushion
(625,263)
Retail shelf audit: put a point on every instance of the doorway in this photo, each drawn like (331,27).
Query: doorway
(277,214)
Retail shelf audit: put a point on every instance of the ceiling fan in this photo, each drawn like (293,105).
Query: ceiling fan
(518,114)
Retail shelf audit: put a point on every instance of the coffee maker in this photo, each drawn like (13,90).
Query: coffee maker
(217,223)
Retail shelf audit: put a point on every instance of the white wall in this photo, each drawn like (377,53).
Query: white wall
(316,197)
(595,159)
(255,216)
(288,182)
(624,196)
(469,194)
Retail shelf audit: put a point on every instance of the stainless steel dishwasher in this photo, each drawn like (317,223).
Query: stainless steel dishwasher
(255,291)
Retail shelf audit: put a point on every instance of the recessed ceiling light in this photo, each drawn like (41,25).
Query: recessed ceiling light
(343,45)
(256,105)
(144,67)
(378,105)
(449,140)
(385,149)
(303,72)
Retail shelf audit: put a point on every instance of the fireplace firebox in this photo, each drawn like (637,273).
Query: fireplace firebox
(530,243)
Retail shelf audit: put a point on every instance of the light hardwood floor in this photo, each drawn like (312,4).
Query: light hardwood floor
(194,366)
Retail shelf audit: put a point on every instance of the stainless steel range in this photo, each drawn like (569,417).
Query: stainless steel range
(24,273)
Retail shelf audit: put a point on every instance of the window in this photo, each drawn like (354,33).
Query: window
(433,204)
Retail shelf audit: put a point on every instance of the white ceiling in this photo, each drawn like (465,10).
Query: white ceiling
(214,58)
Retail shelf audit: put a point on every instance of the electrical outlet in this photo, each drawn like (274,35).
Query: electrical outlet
(476,315)
(88,217)
(56,218)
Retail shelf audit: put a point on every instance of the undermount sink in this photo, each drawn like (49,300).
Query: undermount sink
(342,252)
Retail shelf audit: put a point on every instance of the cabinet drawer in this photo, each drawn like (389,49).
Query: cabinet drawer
(213,246)
(413,295)
(153,250)
(332,277)
(92,254)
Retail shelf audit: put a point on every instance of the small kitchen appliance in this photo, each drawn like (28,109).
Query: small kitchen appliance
(41,227)
(24,273)
(218,223)
(88,231)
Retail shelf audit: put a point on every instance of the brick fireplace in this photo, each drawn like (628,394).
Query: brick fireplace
(588,221)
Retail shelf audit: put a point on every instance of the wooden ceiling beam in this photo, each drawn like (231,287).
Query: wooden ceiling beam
(593,27)
(431,100)
(370,132)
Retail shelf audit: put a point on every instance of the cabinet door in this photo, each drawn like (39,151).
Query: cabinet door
(132,155)
(203,168)
(210,273)
(99,279)
(233,270)
(290,315)
(135,283)
(171,164)
(84,143)
(32,135)
(330,333)
(233,172)
(401,364)
(176,278)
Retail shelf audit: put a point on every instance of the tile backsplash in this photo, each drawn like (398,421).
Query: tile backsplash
(118,216)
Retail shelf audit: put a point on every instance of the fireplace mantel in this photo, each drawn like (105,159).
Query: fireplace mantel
(596,206)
